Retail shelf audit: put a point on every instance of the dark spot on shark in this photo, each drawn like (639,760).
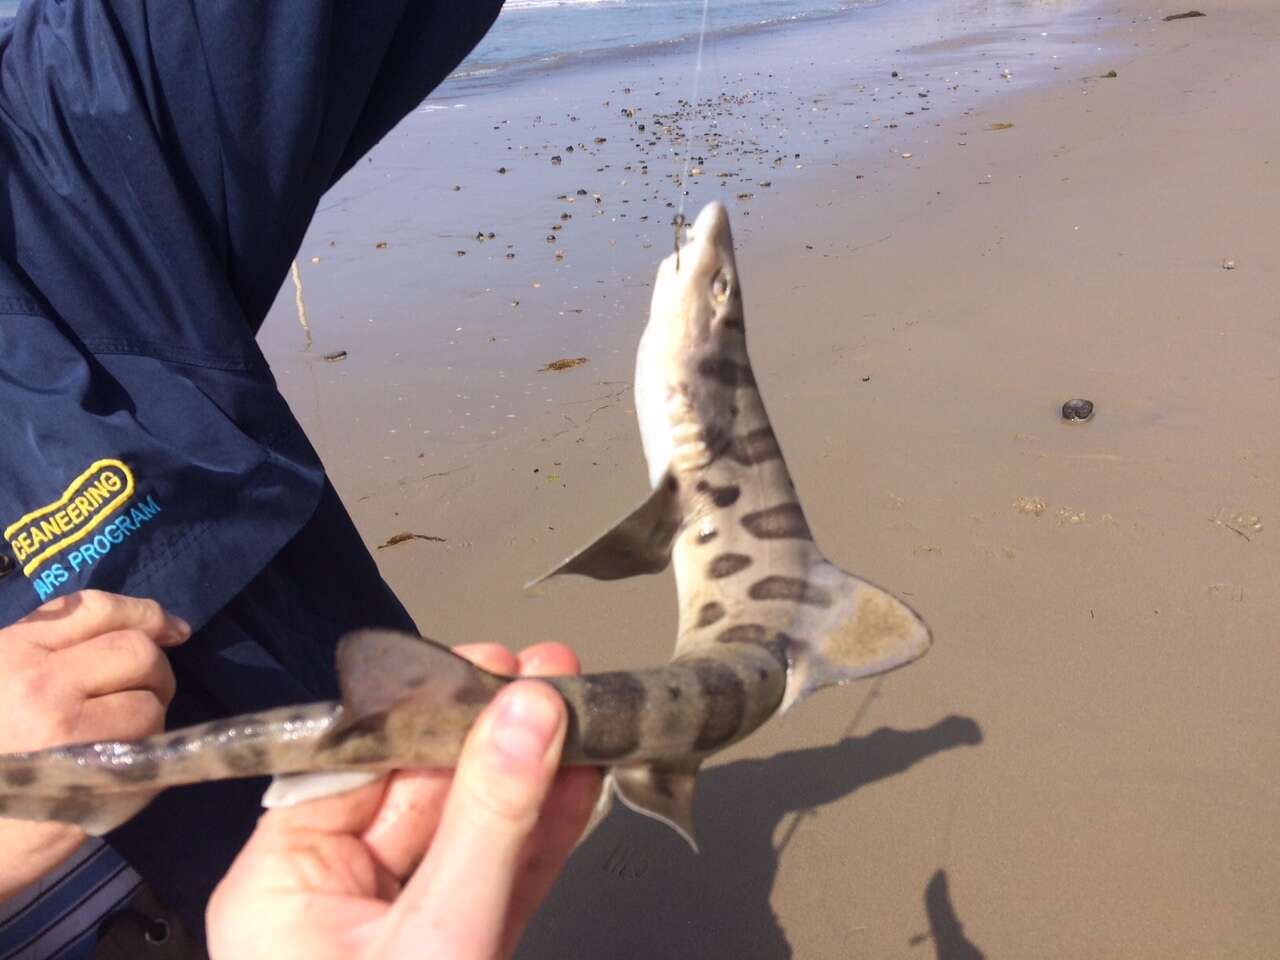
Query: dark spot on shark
(74,806)
(348,733)
(727,372)
(475,693)
(725,496)
(727,564)
(247,759)
(672,483)
(733,323)
(412,683)
(789,588)
(726,703)
(743,633)
(609,723)
(758,446)
(782,522)
(21,775)
(710,613)
(660,780)
(674,693)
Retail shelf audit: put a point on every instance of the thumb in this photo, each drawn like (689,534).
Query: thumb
(457,900)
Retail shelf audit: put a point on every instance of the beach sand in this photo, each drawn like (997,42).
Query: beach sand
(1086,763)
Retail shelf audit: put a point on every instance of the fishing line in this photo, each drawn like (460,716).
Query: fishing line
(678,221)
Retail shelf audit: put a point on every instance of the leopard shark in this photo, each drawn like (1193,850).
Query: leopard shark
(765,619)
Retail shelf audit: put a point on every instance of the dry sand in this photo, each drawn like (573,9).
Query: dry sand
(1086,764)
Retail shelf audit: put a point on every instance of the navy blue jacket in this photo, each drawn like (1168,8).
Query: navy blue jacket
(161,161)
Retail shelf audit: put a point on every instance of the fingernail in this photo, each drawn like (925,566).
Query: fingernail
(526,722)
(180,627)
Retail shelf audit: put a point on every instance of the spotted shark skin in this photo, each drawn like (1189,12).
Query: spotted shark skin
(765,618)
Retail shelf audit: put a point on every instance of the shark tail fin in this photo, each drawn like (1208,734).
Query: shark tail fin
(637,544)
(86,807)
(859,631)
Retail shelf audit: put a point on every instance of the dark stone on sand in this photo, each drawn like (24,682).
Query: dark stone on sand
(1183,16)
(1077,410)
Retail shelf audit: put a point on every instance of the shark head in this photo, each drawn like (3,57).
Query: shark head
(695,325)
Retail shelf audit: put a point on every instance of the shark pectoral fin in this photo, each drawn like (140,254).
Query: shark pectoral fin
(863,631)
(663,791)
(93,812)
(288,789)
(639,543)
(378,669)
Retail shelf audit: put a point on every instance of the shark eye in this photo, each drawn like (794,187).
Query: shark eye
(720,287)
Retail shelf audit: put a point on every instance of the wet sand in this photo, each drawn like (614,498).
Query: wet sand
(1085,764)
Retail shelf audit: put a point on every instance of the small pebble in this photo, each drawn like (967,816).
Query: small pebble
(1228,264)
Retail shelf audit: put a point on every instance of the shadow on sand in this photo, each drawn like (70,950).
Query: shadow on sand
(634,890)
(945,929)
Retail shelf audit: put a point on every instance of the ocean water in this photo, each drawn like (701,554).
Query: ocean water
(533,34)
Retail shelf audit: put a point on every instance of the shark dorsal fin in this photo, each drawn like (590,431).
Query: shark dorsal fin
(639,543)
(379,668)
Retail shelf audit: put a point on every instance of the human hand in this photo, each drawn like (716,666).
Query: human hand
(425,863)
(87,666)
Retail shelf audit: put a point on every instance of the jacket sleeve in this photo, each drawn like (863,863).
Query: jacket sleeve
(162,159)
(218,124)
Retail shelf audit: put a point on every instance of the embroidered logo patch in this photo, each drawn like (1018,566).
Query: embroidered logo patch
(90,499)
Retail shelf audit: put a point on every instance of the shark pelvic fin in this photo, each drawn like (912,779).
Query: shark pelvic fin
(378,669)
(663,791)
(288,789)
(639,543)
(93,812)
(865,631)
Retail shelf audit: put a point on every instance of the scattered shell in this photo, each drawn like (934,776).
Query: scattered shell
(1228,264)
(335,356)
(1071,517)
(906,156)
(380,245)
(502,169)
(566,363)
(1000,126)
(1077,409)
(1030,505)
(1183,16)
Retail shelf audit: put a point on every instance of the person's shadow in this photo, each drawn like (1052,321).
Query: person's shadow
(635,890)
(945,929)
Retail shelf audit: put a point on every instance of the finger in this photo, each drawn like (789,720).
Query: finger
(564,816)
(489,656)
(79,616)
(121,660)
(405,824)
(410,813)
(127,715)
(457,900)
(548,660)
